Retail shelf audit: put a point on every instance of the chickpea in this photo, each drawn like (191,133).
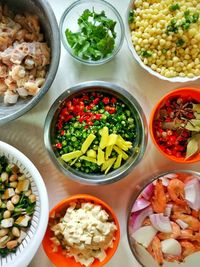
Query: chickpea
(6,214)
(15,199)
(13,177)
(3,232)
(10,206)
(11,244)
(16,232)
(32,198)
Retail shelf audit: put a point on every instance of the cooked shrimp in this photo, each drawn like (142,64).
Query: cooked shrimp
(176,191)
(3,71)
(188,248)
(176,232)
(18,72)
(189,234)
(146,222)
(3,87)
(194,223)
(172,258)
(181,209)
(195,213)
(159,198)
(155,250)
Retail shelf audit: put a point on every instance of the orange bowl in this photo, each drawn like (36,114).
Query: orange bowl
(180,92)
(58,258)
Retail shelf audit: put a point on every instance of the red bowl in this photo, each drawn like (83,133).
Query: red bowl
(180,92)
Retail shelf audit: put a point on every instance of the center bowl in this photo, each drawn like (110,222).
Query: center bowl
(140,124)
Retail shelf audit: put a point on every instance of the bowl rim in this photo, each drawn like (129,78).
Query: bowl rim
(77,89)
(140,62)
(29,251)
(87,198)
(53,67)
(151,179)
(64,41)
(152,115)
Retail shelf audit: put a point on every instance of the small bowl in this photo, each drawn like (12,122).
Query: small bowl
(119,93)
(29,246)
(140,62)
(61,260)
(74,11)
(139,252)
(51,32)
(182,92)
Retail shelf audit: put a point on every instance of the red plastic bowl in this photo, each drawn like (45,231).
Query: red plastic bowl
(180,92)
(58,258)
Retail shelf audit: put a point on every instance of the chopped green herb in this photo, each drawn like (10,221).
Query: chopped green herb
(96,37)
(172,27)
(189,19)
(195,17)
(174,7)
(164,51)
(180,42)
(146,53)
(131,17)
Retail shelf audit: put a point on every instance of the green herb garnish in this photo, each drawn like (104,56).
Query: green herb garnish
(146,53)
(174,7)
(189,19)
(180,42)
(172,27)
(164,51)
(95,39)
(131,17)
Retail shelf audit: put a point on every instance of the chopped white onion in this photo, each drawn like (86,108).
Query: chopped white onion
(161,222)
(145,235)
(10,98)
(168,210)
(171,246)
(192,193)
(171,175)
(138,217)
(164,180)
(22,91)
(182,224)
(140,204)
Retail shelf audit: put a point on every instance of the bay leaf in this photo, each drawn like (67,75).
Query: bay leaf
(196,107)
(172,125)
(197,115)
(192,148)
(193,125)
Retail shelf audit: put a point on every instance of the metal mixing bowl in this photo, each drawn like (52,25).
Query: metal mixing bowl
(50,29)
(141,129)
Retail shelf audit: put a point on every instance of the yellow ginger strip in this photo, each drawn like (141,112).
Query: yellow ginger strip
(100,156)
(104,137)
(71,155)
(108,164)
(88,141)
(108,152)
(88,159)
(118,161)
(121,152)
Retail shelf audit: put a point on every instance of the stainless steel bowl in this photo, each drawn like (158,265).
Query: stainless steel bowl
(50,29)
(116,91)
(138,251)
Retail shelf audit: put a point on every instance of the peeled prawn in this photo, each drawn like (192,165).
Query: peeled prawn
(155,250)
(176,232)
(188,248)
(193,223)
(176,191)
(159,199)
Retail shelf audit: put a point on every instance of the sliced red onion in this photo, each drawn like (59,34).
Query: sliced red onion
(182,224)
(192,193)
(161,222)
(147,193)
(138,217)
(168,210)
(171,175)
(164,180)
(140,204)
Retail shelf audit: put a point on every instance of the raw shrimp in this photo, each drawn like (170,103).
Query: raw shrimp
(188,248)
(176,191)
(176,232)
(155,250)
(159,198)
(194,223)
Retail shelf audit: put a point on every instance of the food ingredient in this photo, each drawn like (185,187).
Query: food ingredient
(24,56)
(165,35)
(17,205)
(176,127)
(95,39)
(84,232)
(172,233)
(94,132)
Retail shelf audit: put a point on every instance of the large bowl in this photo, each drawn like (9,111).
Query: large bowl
(138,59)
(29,246)
(58,258)
(143,257)
(70,17)
(50,29)
(116,91)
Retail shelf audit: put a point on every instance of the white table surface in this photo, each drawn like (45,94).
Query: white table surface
(26,133)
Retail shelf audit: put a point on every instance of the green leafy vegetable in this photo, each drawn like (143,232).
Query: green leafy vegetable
(193,146)
(24,205)
(5,251)
(174,7)
(146,53)
(131,17)
(180,42)
(95,39)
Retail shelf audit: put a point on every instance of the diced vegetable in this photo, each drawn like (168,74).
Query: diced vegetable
(145,235)
(171,246)
(140,204)
(138,217)
(192,193)
(23,220)
(6,223)
(87,143)
(72,155)
(104,137)
(92,153)
(161,222)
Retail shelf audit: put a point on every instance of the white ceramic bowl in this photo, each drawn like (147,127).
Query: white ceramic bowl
(140,62)
(27,249)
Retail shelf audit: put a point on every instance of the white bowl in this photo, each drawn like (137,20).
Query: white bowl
(27,249)
(140,62)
